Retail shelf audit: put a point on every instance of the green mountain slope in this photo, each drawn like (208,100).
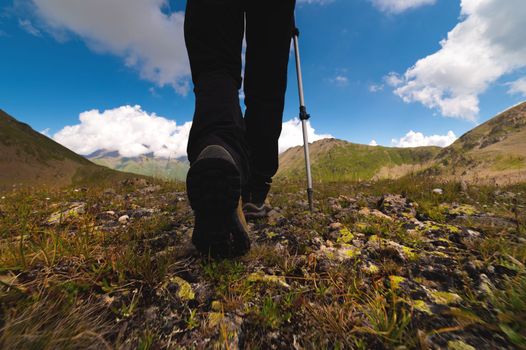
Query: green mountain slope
(168,169)
(337,160)
(493,151)
(29,158)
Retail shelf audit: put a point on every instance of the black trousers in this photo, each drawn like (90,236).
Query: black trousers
(214,34)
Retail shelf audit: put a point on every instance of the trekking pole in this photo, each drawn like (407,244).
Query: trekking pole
(304,116)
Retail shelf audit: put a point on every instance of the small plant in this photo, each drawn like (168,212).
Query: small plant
(192,321)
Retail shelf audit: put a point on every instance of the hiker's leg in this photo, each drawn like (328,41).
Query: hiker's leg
(268,34)
(214,34)
(216,146)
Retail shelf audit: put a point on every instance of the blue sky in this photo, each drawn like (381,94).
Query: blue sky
(61,58)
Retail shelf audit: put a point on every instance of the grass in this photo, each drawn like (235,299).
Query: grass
(91,282)
(353,162)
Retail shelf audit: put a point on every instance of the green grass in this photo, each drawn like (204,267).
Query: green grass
(81,283)
(353,162)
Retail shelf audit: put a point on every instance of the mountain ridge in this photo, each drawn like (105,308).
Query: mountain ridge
(28,157)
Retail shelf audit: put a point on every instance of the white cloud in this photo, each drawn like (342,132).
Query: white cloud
(292,135)
(489,42)
(132,132)
(126,129)
(518,87)
(26,25)
(398,6)
(144,33)
(376,87)
(393,79)
(417,139)
(45,132)
(319,2)
(373,143)
(340,81)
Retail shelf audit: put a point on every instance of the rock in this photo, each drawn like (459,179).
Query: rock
(397,206)
(66,216)
(445,298)
(135,182)
(335,226)
(106,215)
(341,253)
(109,191)
(385,247)
(438,191)
(124,219)
(274,217)
(269,279)
(485,287)
(374,212)
(460,209)
(151,189)
(184,289)
(370,269)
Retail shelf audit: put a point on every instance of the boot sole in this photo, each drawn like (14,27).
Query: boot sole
(214,189)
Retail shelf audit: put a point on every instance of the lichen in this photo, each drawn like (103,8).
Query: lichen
(421,305)
(185,291)
(395,281)
(271,234)
(346,236)
(409,253)
(214,319)
(370,269)
(269,279)
(216,306)
(463,209)
(445,298)
(459,345)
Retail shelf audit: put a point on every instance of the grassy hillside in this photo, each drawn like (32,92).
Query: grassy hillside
(337,160)
(495,150)
(29,158)
(168,169)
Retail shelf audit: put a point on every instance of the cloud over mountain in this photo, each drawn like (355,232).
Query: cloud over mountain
(132,132)
(418,139)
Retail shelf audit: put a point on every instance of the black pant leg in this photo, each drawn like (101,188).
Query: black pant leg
(268,33)
(213,35)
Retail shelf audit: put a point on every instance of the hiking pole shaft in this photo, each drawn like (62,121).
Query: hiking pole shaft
(304,116)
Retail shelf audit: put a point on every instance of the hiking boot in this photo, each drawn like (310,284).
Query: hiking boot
(256,210)
(214,189)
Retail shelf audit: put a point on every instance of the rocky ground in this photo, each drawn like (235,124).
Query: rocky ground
(426,267)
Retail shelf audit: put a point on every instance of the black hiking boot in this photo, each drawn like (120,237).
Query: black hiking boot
(214,189)
(254,211)
(255,202)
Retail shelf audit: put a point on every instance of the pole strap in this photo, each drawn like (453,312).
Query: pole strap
(303,113)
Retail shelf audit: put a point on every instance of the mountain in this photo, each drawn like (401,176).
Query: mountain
(148,165)
(29,158)
(495,150)
(337,160)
